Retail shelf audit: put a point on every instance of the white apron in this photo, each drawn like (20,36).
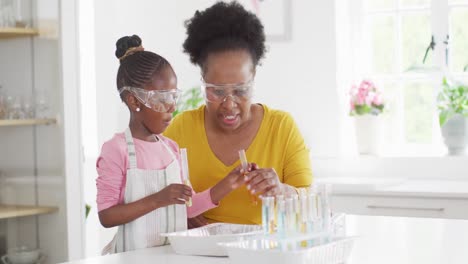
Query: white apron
(144,232)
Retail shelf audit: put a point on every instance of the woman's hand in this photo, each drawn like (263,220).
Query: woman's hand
(264,181)
(172,194)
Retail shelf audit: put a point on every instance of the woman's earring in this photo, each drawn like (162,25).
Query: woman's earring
(138,109)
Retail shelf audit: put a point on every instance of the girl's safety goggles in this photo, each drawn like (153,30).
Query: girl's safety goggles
(162,101)
(218,93)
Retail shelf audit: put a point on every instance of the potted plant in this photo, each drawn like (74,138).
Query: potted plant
(452,103)
(190,99)
(366,104)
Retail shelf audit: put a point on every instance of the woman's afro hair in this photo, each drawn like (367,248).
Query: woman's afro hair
(224,26)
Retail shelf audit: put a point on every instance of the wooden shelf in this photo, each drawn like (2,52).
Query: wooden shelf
(12,32)
(13,211)
(27,122)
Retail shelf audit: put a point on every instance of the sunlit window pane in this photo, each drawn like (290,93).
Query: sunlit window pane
(415,3)
(383,44)
(392,113)
(419,109)
(458,2)
(416,36)
(371,5)
(459,40)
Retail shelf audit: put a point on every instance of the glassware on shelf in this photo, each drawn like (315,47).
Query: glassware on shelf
(28,108)
(19,19)
(42,106)
(8,104)
(2,104)
(14,110)
(1,14)
(24,107)
(7,13)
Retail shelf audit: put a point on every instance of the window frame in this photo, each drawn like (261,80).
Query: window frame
(360,36)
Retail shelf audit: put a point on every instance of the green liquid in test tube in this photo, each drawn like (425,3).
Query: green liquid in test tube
(185,172)
(245,166)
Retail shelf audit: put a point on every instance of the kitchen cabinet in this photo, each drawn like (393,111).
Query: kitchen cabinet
(39,159)
(401,206)
(432,198)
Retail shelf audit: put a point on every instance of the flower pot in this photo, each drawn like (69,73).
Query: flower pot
(369,134)
(455,134)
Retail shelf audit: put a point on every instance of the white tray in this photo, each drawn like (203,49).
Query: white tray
(204,240)
(264,251)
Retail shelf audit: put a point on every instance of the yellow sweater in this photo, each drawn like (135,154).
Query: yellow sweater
(278,144)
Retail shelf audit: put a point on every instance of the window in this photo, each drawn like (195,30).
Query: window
(407,46)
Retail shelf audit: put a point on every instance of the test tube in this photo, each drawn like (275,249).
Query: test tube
(268,215)
(185,172)
(312,216)
(245,166)
(297,212)
(290,223)
(325,211)
(303,216)
(281,221)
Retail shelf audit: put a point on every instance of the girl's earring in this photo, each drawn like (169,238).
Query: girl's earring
(138,109)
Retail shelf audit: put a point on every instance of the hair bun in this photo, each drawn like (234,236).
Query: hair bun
(125,43)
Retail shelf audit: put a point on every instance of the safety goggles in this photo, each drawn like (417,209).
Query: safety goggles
(161,101)
(219,93)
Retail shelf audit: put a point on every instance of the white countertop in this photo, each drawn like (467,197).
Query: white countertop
(450,189)
(383,240)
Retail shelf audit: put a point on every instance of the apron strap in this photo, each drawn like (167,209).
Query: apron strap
(168,148)
(130,149)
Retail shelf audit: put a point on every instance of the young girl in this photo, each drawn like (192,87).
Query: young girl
(139,187)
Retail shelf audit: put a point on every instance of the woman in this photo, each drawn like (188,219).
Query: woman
(227,43)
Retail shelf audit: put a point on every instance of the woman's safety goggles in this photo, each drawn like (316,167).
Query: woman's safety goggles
(219,93)
(162,101)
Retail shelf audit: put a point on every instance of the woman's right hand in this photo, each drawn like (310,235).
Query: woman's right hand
(174,193)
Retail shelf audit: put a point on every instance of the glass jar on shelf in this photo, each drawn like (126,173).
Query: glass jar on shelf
(41,105)
(28,108)
(15,110)
(2,104)
(7,13)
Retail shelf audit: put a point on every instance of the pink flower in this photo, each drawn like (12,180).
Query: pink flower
(377,99)
(361,99)
(370,98)
(365,94)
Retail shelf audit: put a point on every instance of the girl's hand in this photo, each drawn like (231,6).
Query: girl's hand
(235,178)
(263,181)
(232,181)
(172,194)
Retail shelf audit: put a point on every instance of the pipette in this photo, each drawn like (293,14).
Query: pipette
(185,172)
(245,166)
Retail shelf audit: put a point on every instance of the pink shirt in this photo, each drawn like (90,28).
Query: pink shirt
(113,163)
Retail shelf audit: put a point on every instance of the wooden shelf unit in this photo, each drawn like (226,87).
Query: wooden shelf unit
(13,32)
(13,211)
(27,122)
